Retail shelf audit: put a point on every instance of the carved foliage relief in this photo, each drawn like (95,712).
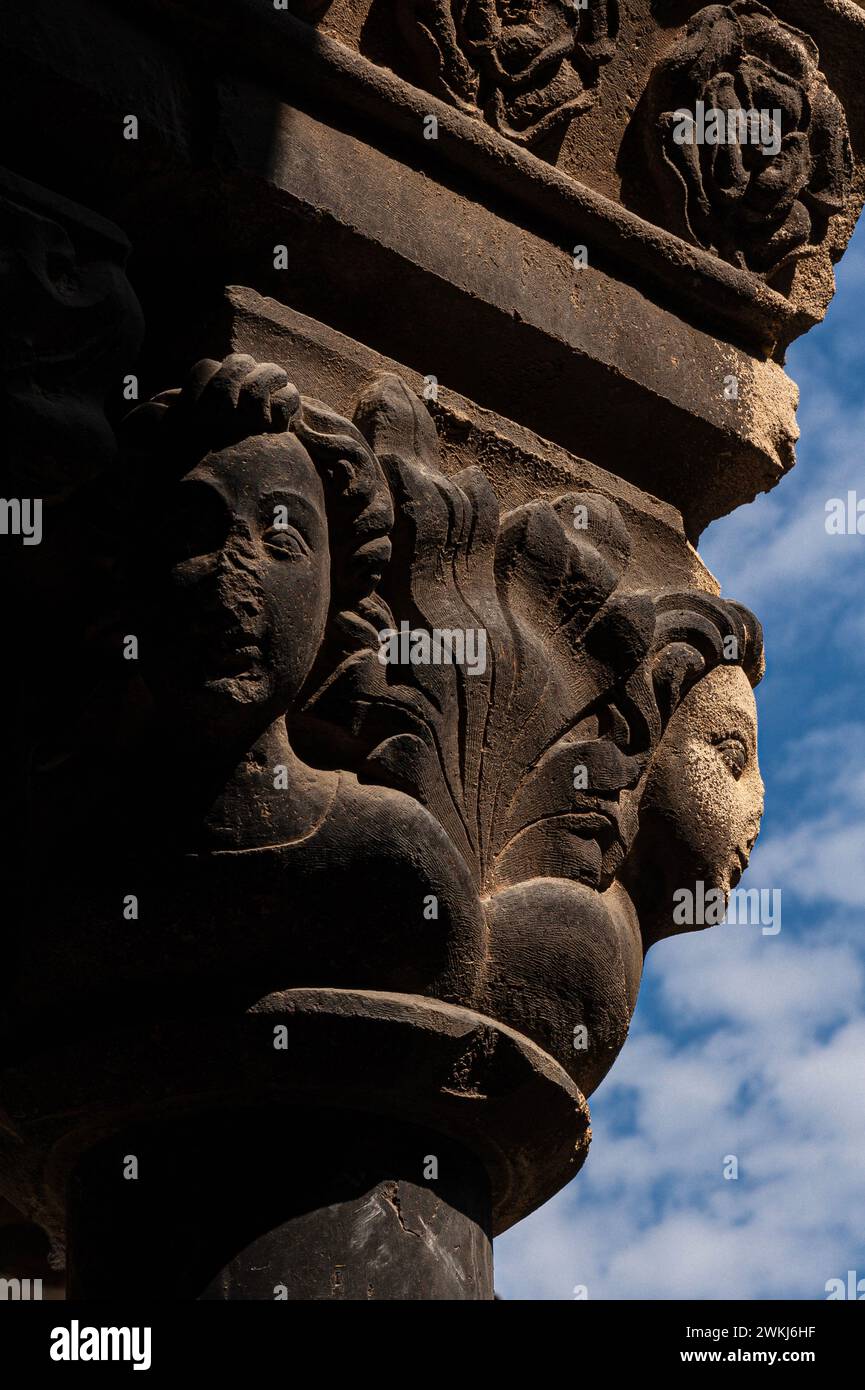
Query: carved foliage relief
(464,707)
(524,66)
(758,201)
(360,682)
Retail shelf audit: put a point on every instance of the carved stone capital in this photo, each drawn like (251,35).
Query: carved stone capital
(371,702)
(393,739)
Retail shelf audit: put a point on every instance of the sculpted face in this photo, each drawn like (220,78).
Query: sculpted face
(236,609)
(701,811)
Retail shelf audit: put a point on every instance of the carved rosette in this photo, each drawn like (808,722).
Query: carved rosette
(760,208)
(524,66)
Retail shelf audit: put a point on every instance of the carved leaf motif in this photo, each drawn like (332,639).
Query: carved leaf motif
(576,674)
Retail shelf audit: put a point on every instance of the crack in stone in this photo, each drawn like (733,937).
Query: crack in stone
(391,1196)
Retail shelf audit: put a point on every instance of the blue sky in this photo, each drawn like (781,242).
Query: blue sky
(748,1044)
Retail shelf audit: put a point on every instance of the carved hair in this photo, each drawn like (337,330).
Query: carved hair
(695,633)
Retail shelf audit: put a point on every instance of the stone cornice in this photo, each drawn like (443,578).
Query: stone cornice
(293,55)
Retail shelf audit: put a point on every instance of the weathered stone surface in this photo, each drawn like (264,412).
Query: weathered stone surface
(761,213)
(627,48)
(408,1059)
(525,69)
(369,699)
(251,166)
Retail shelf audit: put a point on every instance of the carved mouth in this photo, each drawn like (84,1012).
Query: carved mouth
(216,653)
(238,660)
(231,654)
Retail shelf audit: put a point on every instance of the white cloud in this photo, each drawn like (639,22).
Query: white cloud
(776,1078)
(820,860)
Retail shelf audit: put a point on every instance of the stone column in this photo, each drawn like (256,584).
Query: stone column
(284,1203)
(370,698)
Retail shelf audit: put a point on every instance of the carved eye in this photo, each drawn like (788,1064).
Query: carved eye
(734,751)
(285,542)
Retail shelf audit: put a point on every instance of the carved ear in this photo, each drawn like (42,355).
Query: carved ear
(359,501)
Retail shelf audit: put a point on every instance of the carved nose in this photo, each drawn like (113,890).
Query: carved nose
(237,556)
(238,586)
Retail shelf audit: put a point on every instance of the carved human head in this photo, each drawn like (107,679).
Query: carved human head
(264,526)
(702,804)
